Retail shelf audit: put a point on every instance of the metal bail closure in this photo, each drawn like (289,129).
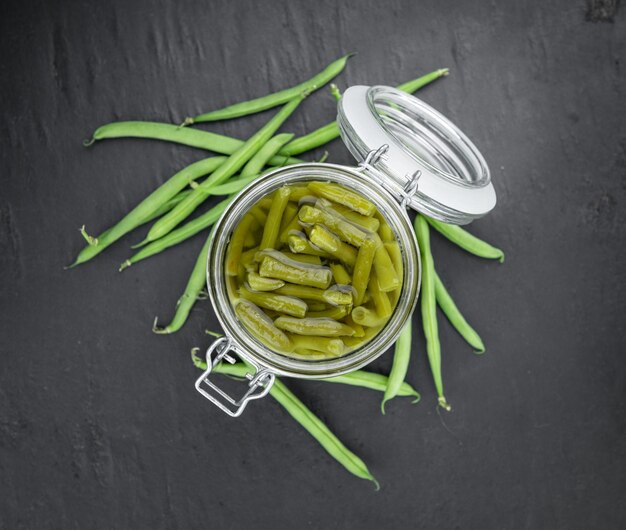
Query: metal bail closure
(405,195)
(259,384)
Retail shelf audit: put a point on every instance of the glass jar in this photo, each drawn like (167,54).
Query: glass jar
(409,156)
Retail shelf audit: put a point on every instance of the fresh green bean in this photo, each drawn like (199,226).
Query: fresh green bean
(467,241)
(429,307)
(265,154)
(320,432)
(399,368)
(315,427)
(456,318)
(330,131)
(167,132)
(413,86)
(226,170)
(167,206)
(335,92)
(157,213)
(298,411)
(360,378)
(273,100)
(179,235)
(373,381)
(150,204)
(196,283)
(232,185)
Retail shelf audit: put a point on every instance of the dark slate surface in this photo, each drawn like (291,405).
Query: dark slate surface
(100,426)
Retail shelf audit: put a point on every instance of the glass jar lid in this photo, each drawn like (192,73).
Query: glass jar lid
(422,158)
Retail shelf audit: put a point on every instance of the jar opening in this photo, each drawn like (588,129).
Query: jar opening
(428,136)
(219,282)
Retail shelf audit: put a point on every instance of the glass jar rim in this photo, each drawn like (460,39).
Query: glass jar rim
(243,342)
(454,179)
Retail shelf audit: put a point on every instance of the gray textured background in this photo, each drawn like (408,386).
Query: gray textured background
(100,426)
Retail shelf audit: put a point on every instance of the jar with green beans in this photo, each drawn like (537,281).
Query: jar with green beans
(313,270)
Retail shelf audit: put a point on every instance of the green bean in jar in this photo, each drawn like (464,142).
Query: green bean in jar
(313,270)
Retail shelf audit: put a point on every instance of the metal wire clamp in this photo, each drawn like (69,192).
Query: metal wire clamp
(259,384)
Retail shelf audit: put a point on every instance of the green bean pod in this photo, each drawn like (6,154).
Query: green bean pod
(320,432)
(346,231)
(362,269)
(334,312)
(298,244)
(343,196)
(456,318)
(340,274)
(233,164)
(195,284)
(359,378)
(400,366)
(467,241)
(276,302)
(319,327)
(303,258)
(330,131)
(150,205)
(367,317)
(380,298)
(258,283)
(273,100)
(429,307)
(330,296)
(371,224)
(388,280)
(179,235)
(311,423)
(326,345)
(274,218)
(235,248)
(272,266)
(263,156)
(167,132)
(261,326)
(330,243)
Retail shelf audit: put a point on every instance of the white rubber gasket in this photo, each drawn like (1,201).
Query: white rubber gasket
(475,201)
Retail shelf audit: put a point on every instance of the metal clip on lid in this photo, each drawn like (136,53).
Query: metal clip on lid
(258,386)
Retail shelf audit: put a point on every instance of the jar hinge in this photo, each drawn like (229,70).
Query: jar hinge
(259,384)
(404,194)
